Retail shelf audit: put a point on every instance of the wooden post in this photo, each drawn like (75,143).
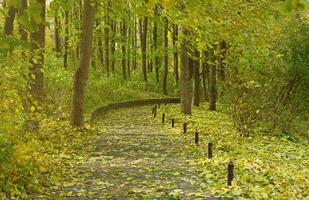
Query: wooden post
(210,145)
(196,137)
(173,123)
(230,173)
(155,112)
(163,117)
(185,127)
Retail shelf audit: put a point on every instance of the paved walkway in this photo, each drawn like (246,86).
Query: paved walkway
(136,160)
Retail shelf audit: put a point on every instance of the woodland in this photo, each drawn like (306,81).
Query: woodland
(227,86)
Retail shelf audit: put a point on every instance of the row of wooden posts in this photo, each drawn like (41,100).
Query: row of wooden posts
(230,166)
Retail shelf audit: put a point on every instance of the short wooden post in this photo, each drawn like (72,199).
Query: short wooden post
(230,173)
(163,117)
(196,137)
(155,112)
(210,145)
(184,127)
(173,123)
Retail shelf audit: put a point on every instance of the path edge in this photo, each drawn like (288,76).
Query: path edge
(127,104)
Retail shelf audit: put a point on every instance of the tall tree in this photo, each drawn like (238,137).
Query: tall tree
(9,20)
(66,39)
(165,72)
(185,94)
(106,36)
(176,57)
(143,37)
(212,79)
(80,78)
(205,76)
(155,42)
(22,31)
(196,78)
(37,39)
(123,47)
(57,34)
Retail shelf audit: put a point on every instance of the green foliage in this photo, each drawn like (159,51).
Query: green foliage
(265,166)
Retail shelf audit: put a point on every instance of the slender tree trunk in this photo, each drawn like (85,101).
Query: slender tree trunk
(196,76)
(205,77)
(106,36)
(155,43)
(135,44)
(66,40)
(80,78)
(100,45)
(143,33)
(123,47)
(222,64)
(185,93)
(129,51)
(22,31)
(37,39)
(57,35)
(165,57)
(113,45)
(212,81)
(9,21)
(176,57)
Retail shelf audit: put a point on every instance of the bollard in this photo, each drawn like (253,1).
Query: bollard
(155,112)
(163,117)
(173,123)
(210,144)
(196,137)
(230,173)
(185,127)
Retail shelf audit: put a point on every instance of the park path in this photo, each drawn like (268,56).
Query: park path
(137,159)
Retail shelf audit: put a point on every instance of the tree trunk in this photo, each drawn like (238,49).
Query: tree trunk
(123,47)
(212,81)
(129,51)
(176,60)
(9,21)
(81,74)
(185,94)
(222,64)
(113,45)
(57,35)
(135,44)
(155,43)
(143,36)
(205,77)
(196,76)
(100,45)
(106,37)
(165,57)
(66,40)
(22,31)
(37,39)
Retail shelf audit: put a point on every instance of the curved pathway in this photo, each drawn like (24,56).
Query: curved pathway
(136,159)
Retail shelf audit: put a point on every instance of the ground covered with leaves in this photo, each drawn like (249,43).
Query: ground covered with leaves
(131,157)
(128,154)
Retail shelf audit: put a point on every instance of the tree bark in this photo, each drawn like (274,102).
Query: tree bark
(22,31)
(205,77)
(143,37)
(155,43)
(106,37)
(176,59)
(129,50)
(113,44)
(66,40)
(9,21)
(37,39)
(123,47)
(212,81)
(100,45)
(57,35)
(185,93)
(165,72)
(81,74)
(196,76)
